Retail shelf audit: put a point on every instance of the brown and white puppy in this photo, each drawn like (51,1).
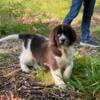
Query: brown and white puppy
(55,52)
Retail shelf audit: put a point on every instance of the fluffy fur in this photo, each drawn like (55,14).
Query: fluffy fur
(54,52)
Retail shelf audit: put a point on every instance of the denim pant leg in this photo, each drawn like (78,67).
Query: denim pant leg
(87,13)
(74,10)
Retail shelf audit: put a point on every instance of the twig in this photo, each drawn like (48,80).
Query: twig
(53,95)
(12,73)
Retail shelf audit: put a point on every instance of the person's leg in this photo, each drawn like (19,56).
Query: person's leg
(74,10)
(87,13)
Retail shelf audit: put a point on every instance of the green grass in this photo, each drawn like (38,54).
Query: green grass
(96,29)
(85,77)
(42,76)
(4,57)
(11,10)
(97,6)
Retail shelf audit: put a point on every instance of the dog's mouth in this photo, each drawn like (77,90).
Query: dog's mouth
(64,42)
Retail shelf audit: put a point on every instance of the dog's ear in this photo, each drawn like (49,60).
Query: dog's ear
(53,36)
(67,30)
(70,33)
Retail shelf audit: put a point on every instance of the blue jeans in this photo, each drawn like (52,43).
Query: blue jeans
(87,13)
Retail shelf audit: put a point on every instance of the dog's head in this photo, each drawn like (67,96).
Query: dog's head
(62,35)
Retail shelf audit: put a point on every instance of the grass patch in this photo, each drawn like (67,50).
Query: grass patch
(97,30)
(36,28)
(27,10)
(42,76)
(85,77)
(97,6)
(4,57)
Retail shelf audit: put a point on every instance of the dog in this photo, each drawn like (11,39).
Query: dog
(55,52)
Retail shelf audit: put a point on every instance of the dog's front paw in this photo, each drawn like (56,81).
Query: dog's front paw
(62,87)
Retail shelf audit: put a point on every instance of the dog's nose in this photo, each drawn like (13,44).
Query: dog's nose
(63,40)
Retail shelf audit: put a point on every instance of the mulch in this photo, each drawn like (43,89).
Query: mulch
(19,86)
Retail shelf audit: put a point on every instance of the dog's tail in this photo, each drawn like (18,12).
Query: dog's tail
(16,36)
(9,37)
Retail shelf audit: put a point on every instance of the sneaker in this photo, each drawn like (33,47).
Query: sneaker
(91,43)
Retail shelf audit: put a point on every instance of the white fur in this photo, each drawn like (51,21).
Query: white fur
(26,57)
(66,61)
(61,38)
(69,60)
(15,36)
(58,78)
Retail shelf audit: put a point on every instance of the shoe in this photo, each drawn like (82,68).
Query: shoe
(91,43)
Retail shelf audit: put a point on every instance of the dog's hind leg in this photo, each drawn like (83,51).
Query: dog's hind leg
(23,65)
(25,59)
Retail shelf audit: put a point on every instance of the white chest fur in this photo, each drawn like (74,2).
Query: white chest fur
(66,58)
